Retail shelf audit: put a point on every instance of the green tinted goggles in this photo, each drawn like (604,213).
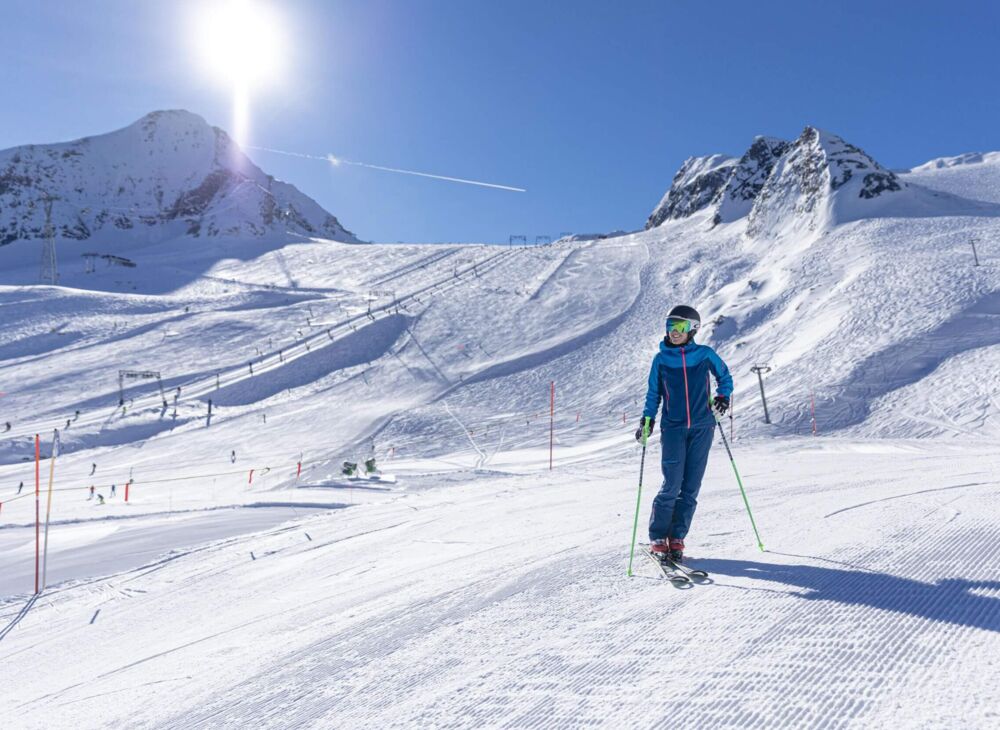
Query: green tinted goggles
(676,324)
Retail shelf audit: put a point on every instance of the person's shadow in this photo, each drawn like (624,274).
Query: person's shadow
(952,600)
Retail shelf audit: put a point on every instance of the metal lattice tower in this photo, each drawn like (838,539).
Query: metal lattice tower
(49,273)
(760,369)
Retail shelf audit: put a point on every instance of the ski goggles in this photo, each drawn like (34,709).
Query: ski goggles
(679,324)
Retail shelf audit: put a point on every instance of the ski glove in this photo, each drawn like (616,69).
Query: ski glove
(642,422)
(721,404)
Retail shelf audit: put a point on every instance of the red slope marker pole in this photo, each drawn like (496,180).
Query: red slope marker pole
(552,418)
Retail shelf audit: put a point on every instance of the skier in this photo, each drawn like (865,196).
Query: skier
(232,457)
(6,426)
(20,487)
(91,493)
(113,489)
(679,377)
(93,468)
(100,498)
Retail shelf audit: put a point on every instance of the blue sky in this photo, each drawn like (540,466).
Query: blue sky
(591,106)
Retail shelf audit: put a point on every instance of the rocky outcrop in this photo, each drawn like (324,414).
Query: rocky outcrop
(695,186)
(817,179)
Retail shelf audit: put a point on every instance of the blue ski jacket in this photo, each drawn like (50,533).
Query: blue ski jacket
(680,378)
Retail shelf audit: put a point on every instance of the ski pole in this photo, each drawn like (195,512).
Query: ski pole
(638,499)
(718,422)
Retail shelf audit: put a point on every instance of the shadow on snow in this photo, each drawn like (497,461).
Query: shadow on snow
(951,600)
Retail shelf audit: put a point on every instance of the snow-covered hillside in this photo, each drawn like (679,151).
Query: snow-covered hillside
(166,176)
(974,175)
(482,589)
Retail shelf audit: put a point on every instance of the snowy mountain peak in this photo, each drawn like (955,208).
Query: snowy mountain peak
(167,175)
(819,179)
(816,180)
(748,178)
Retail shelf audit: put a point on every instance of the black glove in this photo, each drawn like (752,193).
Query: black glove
(642,423)
(721,404)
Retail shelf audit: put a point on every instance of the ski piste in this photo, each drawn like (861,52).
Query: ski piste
(677,577)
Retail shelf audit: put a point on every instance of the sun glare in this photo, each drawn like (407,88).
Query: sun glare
(240,44)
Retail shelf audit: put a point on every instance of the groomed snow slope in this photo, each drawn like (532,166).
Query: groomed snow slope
(503,602)
(483,589)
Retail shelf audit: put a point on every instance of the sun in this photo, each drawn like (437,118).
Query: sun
(240,43)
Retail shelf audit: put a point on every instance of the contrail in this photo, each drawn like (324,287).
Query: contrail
(340,161)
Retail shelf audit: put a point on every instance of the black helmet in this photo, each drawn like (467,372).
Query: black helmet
(683,311)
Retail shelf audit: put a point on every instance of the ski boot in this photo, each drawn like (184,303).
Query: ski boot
(676,549)
(660,549)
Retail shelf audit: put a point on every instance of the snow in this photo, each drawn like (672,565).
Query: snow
(481,588)
(975,175)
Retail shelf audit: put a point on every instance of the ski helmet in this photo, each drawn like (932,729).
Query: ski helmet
(684,312)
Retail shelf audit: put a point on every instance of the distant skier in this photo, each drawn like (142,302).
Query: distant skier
(232,457)
(93,468)
(6,426)
(100,499)
(91,493)
(679,377)
(113,490)
(20,487)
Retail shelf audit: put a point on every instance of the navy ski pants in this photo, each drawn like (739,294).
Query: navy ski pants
(684,454)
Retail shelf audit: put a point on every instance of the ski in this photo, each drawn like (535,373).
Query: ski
(693,573)
(677,577)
